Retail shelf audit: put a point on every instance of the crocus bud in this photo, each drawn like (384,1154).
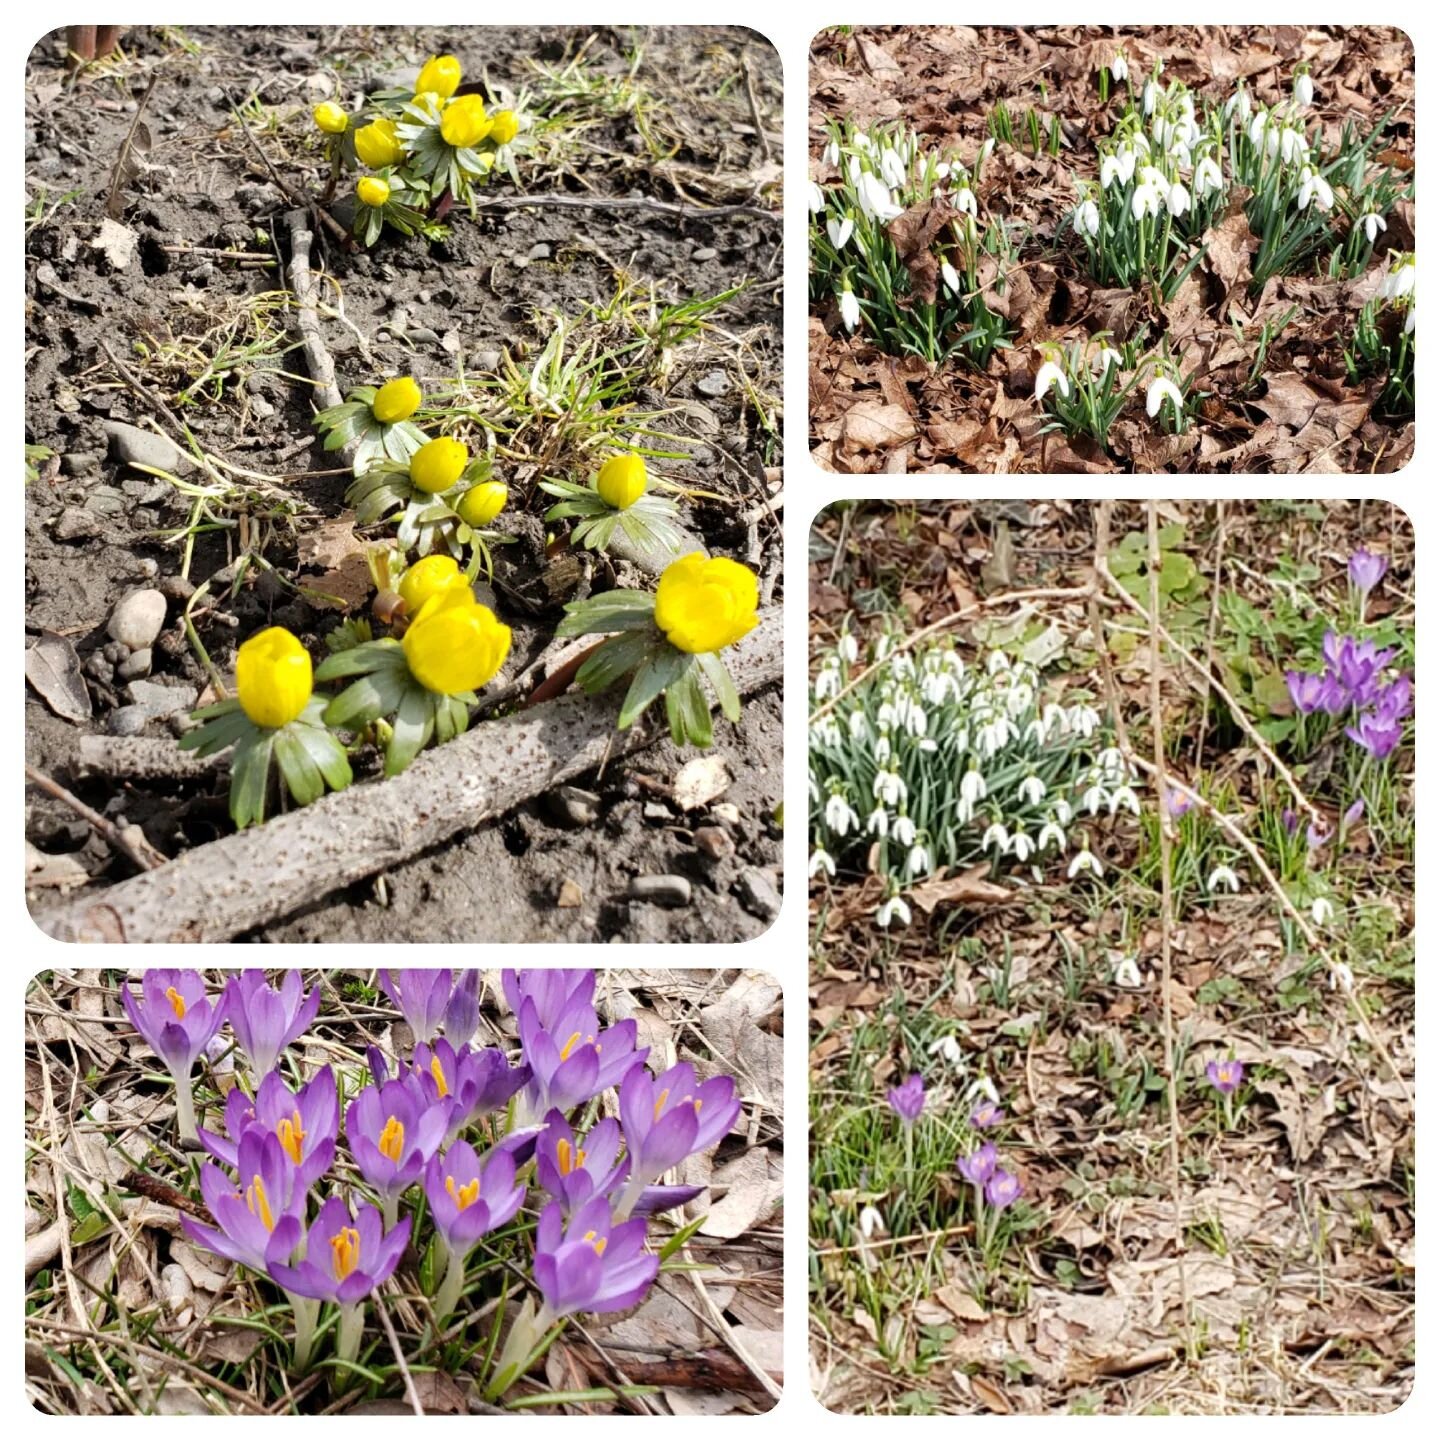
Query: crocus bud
(504,127)
(438,464)
(481,503)
(464,122)
(378,145)
(439,76)
(273,677)
(372,191)
(331,118)
(428,577)
(397,399)
(622,480)
(703,605)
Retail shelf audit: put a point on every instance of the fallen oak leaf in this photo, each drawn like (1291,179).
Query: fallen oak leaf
(967,888)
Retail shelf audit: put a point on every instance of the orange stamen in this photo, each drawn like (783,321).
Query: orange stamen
(291,1136)
(344,1251)
(439,1075)
(177,1002)
(258,1203)
(465,1196)
(392,1140)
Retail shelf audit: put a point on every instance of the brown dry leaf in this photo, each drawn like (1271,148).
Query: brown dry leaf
(734,1028)
(968,888)
(871,425)
(1229,245)
(53,669)
(756,1187)
(914,234)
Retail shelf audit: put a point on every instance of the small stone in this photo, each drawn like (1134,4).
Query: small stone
(79,462)
(714,385)
(97,667)
(571,896)
(572,806)
(128,720)
(176,587)
(540,251)
(487,360)
(130,445)
(156,701)
(656,813)
(757,893)
(114,651)
(138,619)
(107,500)
(147,567)
(727,812)
(136,666)
(708,253)
(672,891)
(76,524)
(713,843)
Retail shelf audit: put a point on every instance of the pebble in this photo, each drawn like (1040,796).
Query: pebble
(79,462)
(714,385)
(128,720)
(107,500)
(130,445)
(708,253)
(156,701)
(757,893)
(487,360)
(570,805)
(713,843)
(136,666)
(115,651)
(540,251)
(571,896)
(669,890)
(727,812)
(138,619)
(656,813)
(99,668)
(176,587)
(76,524)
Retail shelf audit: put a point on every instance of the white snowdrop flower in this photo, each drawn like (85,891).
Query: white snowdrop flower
(1322,912)
(972,787)
(1111,170)
(1050,831)
(827,682)
(951,278)
(826,731)
(1177,200)
(1084,860)
(903,830)
(964,201)
(1084,720)
(839,231)
(1146,200)
(831,154)
(875,198)
(1373,224)
(883,750)
(1400,281)
(858,725)
(872,1223)
(849,309)
(855,170)
(1304,90)
(1119,67)
(1239,103)
(942,170)
(1410,320)
(892,909)
(1343,976)
(1223,875)
(820,862)
(917,862)
(893,790)
(964,811)
(861,140)
(892,169)
(947,1047)
(1161,389)
(1124,799)
(997,835)
(1106,357)
(817,199)
(848,648)
(1034,733)
(985,1086)
(997,661)
(878,822)
(1124,972)
(1180,153)
(1111,760)
(1094,798)
(1151,96)
(1292,145)
(840,817)
(1032,790)
(1022,847)
(1063,813)
(986,151)
(1087,219)
(1208,177)
(1050,374)
(1150,175)
(1314,187)
(1258,126)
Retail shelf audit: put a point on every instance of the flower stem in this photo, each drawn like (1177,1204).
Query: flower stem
(307,1313)
(630,1197)
(448,1296)
(185,1109)
(391,1211)
(347,1341)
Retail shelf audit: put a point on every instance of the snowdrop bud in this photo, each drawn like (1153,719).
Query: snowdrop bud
(949,276)
(1322,912)
(1304,89)
(1343,976)
(1087,219)
(986,150)
(849,309)
(872,1223)
(831,154)
(817,199)
(1177,202)
(839,231)
(1151,96)
(1119,67)
(892,168)
(848,649)
(965,201)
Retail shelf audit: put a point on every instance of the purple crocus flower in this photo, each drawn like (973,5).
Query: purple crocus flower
(1309,693)
(907,1100)
(305,1121)
(472,1082)
(553,991)
(393,1136)
(1379,730)
(258,1224)
(573,1169)
(1225,1075)
(1317,834)
(978,1166)
(1356,664)
(1367,570)
(1002,1189)
(1290,820)
(470,1196)
(420,996)
(589,1262)
(1354,813)
(462,1010)
(177,1020)
(346,1256)
(986,1115)
(1177,803)
(573,1061)
(266,1019)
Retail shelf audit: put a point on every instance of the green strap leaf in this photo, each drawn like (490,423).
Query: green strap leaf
(662,669)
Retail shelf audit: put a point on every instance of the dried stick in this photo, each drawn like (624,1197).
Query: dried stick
(1210,630)
(1167,913)
(387,1325)
(627,202)
(216,891)
(307,318)
(135,847)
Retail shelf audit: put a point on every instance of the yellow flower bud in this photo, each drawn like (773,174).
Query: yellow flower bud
(428,577)
(378,145)
(438,464)
(331,118)
(622,480)
(372,191)
(504,127)
(464,123)
(481,503)
(439,76)
(705,605)
(454,643)
(396,400)
(273,677)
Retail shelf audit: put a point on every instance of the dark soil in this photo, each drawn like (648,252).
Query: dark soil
(95,529)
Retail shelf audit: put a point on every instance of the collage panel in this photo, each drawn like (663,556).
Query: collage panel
(403,546)
(1112,906)
(403,1192)
(1093,250)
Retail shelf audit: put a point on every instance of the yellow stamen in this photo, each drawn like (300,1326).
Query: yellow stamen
(392,1140)
(569,1159)
(570,1044)
(439,1075)
(291,1136)
(597,1245)
(465,1196)
(344,1251)
(177,1002)
(697,1104)
(258,1203)
(660,1103)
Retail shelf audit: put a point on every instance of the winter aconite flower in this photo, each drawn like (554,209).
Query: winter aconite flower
(438,464)
(425,578)
(273,678)
(464,122)
(704,605)
(455,644)
(622,480)
(395,400)
(440,75)
(265,1018)
(481,503)
(177,1020)
(331,118)
(378,146)
(372,191)
(504,127)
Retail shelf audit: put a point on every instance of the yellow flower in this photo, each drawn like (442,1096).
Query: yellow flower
(372,191)
(396,400)
(439,76)
(331,118)
(428,577)
(481,503)
(504,127)
(705,605)
(438,464)
(455,644)
(622,480)
(273,677)
(378,145)
(464,124)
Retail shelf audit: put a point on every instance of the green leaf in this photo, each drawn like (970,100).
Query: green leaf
(722,685)
(301,775)
(616,658)
(372,656)
(365,701)
(614,610)
(688,712)
(663,668)
(219,732)
(250,777)
(327,753)
(414,723)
